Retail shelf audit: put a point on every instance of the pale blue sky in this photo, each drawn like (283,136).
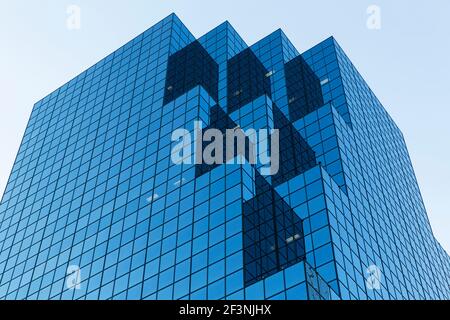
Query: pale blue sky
(406,63)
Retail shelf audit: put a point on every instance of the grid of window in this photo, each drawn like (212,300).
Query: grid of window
(384,197)
(247,79)
(296,156)
(220,120)
(93,185)
(303,88)
(273,234)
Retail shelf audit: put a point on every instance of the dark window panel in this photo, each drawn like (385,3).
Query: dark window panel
(303,88)
(273,234)
(247,80)
(188,68)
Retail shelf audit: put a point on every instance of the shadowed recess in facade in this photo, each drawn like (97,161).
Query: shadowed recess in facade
(188,68)
(304,89)
(273,234)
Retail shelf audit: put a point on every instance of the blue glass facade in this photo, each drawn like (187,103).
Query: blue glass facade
(93,187)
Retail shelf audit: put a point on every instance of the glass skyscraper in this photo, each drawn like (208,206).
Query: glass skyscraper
(95,208)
